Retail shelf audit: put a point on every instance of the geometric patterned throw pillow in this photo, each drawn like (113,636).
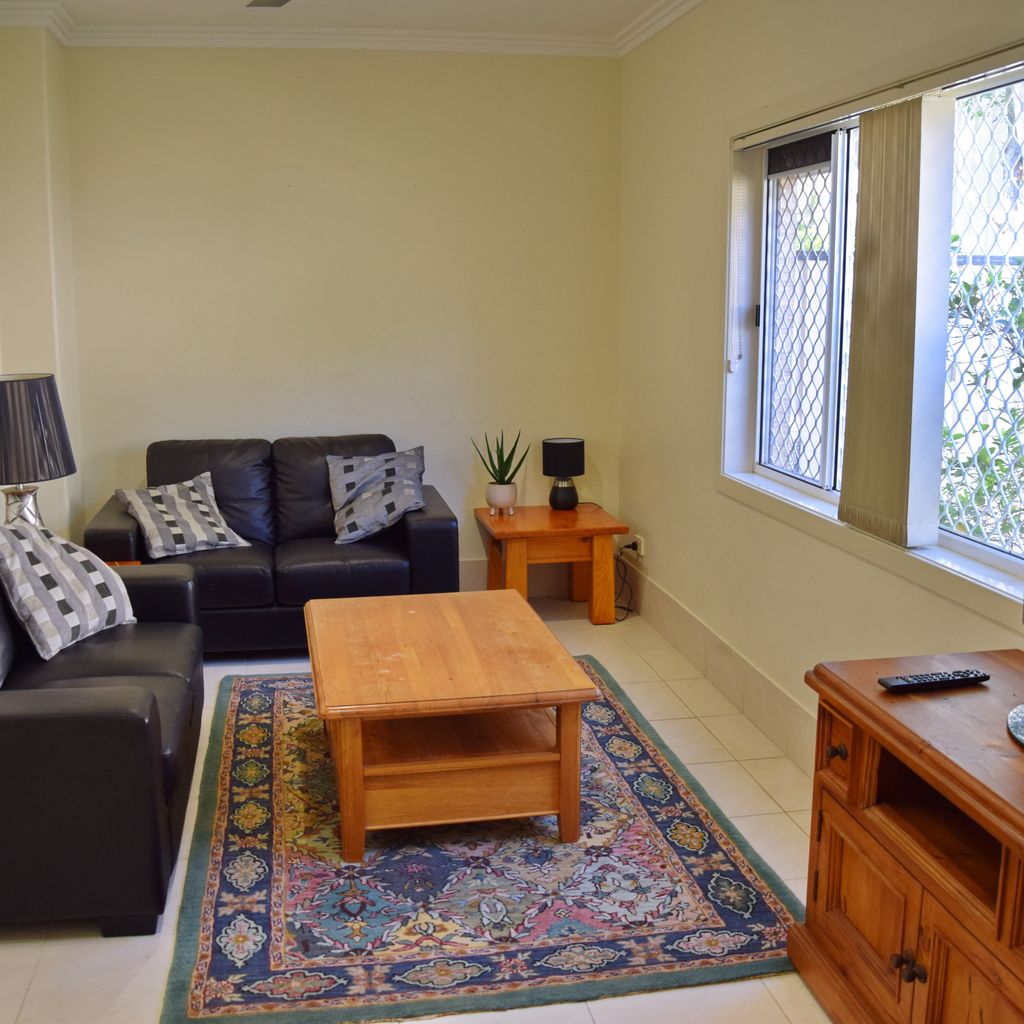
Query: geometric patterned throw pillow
(177,519)
(370,492)
(61,593)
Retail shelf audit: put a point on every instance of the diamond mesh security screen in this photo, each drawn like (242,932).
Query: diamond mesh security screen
(797,322)
(982,458)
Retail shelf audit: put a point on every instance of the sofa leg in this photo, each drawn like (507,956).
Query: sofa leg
(128,924)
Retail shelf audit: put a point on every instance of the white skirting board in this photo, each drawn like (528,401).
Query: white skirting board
(788,725)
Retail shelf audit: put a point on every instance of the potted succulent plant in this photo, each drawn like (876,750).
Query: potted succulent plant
(501,466)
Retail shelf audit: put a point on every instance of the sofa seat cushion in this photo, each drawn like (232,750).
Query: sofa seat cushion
(173,700)
(144,649)
(231,577)
(316,567)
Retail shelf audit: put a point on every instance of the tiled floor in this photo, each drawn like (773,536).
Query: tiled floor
(66,972)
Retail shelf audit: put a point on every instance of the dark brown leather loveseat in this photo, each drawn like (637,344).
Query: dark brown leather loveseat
(97,749)
(278,497)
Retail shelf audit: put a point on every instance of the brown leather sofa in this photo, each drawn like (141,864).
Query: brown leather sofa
(278,497)
(97,750)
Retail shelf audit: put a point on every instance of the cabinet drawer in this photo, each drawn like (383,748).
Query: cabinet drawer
(835,744)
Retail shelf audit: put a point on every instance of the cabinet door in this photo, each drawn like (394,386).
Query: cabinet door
(867,907)
(966,984)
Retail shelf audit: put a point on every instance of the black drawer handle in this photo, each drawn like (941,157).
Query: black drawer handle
(839,751)
(910,971)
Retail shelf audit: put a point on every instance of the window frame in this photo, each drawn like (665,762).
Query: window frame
(838,165)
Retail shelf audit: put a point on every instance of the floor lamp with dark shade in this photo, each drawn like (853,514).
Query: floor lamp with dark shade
(563,459)
(34,443)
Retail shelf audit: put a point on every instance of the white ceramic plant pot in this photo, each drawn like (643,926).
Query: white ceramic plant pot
(501,497)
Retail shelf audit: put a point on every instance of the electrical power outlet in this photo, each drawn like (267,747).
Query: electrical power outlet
(641,545)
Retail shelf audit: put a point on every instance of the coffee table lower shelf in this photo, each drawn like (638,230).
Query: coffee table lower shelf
(436,770)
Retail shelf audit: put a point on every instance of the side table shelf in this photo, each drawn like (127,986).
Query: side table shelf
(915,903)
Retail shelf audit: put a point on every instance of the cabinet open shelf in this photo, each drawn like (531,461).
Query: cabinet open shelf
(939,831)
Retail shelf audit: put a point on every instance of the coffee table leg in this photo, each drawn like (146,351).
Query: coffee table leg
(347,746)
(602,581)
(568,716)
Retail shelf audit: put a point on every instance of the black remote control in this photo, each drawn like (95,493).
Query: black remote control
(925,681)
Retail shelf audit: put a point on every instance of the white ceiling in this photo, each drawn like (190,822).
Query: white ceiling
(581,27)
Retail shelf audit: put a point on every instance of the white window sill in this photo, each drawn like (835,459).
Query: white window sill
(977,586)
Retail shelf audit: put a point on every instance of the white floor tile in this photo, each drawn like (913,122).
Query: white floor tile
(655,701)
(670,664)
(625,664)
(702,697)
(556,1013)
(733,789)
(737,1002)
(798,887)
(640,635)
(795,999)
(67,972)
(20,950)
(779,840)
(741,737)
(81,978)
(691,742)
(802,818)
(790,788)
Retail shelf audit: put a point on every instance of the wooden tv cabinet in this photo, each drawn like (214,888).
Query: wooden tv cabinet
(915,901)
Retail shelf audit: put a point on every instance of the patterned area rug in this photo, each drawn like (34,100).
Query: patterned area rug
(659,892)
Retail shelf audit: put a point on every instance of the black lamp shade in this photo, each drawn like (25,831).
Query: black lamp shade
(563,456)
(34,442)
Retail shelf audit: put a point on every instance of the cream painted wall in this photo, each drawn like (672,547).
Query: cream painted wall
(36,299)
(782,599)
(278,242)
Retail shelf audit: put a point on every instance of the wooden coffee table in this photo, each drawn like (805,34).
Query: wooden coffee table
(538,534)
(438,708)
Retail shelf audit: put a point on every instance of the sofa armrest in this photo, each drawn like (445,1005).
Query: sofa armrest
(432,542)
(83,779)
(114,535)
(161,593)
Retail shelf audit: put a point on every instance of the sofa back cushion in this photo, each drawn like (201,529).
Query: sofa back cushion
(302,485)
(241,473)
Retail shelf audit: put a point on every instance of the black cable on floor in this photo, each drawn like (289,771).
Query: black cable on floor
(624,584)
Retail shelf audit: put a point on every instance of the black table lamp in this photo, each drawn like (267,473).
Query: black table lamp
(563,459)
(34,442)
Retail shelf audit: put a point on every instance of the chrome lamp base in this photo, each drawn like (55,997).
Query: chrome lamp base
(20,504)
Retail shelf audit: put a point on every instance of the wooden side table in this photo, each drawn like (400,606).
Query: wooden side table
(538,534)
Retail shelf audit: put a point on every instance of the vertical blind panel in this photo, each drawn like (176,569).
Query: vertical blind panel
(877,452)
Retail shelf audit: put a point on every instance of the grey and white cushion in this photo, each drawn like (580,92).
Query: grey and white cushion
(371,492)
(61,593)
(177,519)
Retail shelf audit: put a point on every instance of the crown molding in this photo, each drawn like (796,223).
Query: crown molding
(339,39)
(51,14)
(38,14)
(651,22)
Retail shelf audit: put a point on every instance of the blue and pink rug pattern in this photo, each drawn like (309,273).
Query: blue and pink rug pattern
(659,892)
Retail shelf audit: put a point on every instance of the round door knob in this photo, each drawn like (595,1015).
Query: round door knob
(839,751)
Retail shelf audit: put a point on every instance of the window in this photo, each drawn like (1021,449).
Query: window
(949,464)
(982,454)
(810,210)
